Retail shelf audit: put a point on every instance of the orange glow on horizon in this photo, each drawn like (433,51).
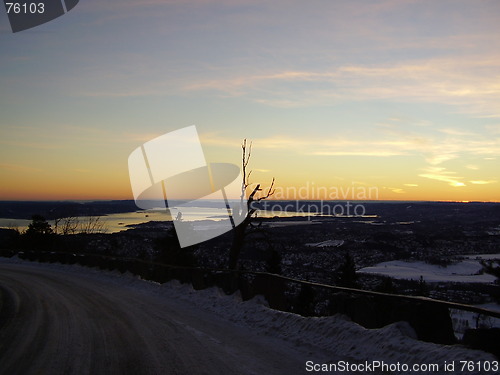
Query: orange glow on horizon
(102,191)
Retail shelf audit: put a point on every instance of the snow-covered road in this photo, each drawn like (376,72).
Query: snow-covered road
(57,319)
(74,322)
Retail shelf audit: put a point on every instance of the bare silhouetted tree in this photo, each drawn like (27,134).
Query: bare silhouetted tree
(91,225)
(66,225)
(256,195)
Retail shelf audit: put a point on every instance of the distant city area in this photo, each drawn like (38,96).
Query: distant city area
(429,248)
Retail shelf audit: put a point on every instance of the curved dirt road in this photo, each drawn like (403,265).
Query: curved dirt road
(65,321)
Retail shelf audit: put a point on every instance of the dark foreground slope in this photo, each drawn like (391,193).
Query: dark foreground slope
(57,319)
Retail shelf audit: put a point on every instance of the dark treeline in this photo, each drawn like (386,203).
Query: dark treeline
(55,209)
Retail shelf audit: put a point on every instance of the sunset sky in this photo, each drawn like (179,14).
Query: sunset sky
(399,96)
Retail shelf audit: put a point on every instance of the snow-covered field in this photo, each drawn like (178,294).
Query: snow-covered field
(466,271)
(328,243)
(321,340)
(482,256)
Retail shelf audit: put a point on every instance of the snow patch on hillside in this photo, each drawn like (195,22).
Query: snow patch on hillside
(466,271)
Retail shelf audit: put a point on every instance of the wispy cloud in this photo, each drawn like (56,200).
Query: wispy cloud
(435,148)
(19,168)
(326,146)
(456,132)
(33,144)
(482,182)
(494,128)
(441,174)
(460,82)
(355,153)
(397,190)
(439,145)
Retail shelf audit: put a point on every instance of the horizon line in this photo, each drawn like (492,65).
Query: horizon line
(269,200)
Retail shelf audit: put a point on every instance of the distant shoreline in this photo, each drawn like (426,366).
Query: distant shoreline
(57,209)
